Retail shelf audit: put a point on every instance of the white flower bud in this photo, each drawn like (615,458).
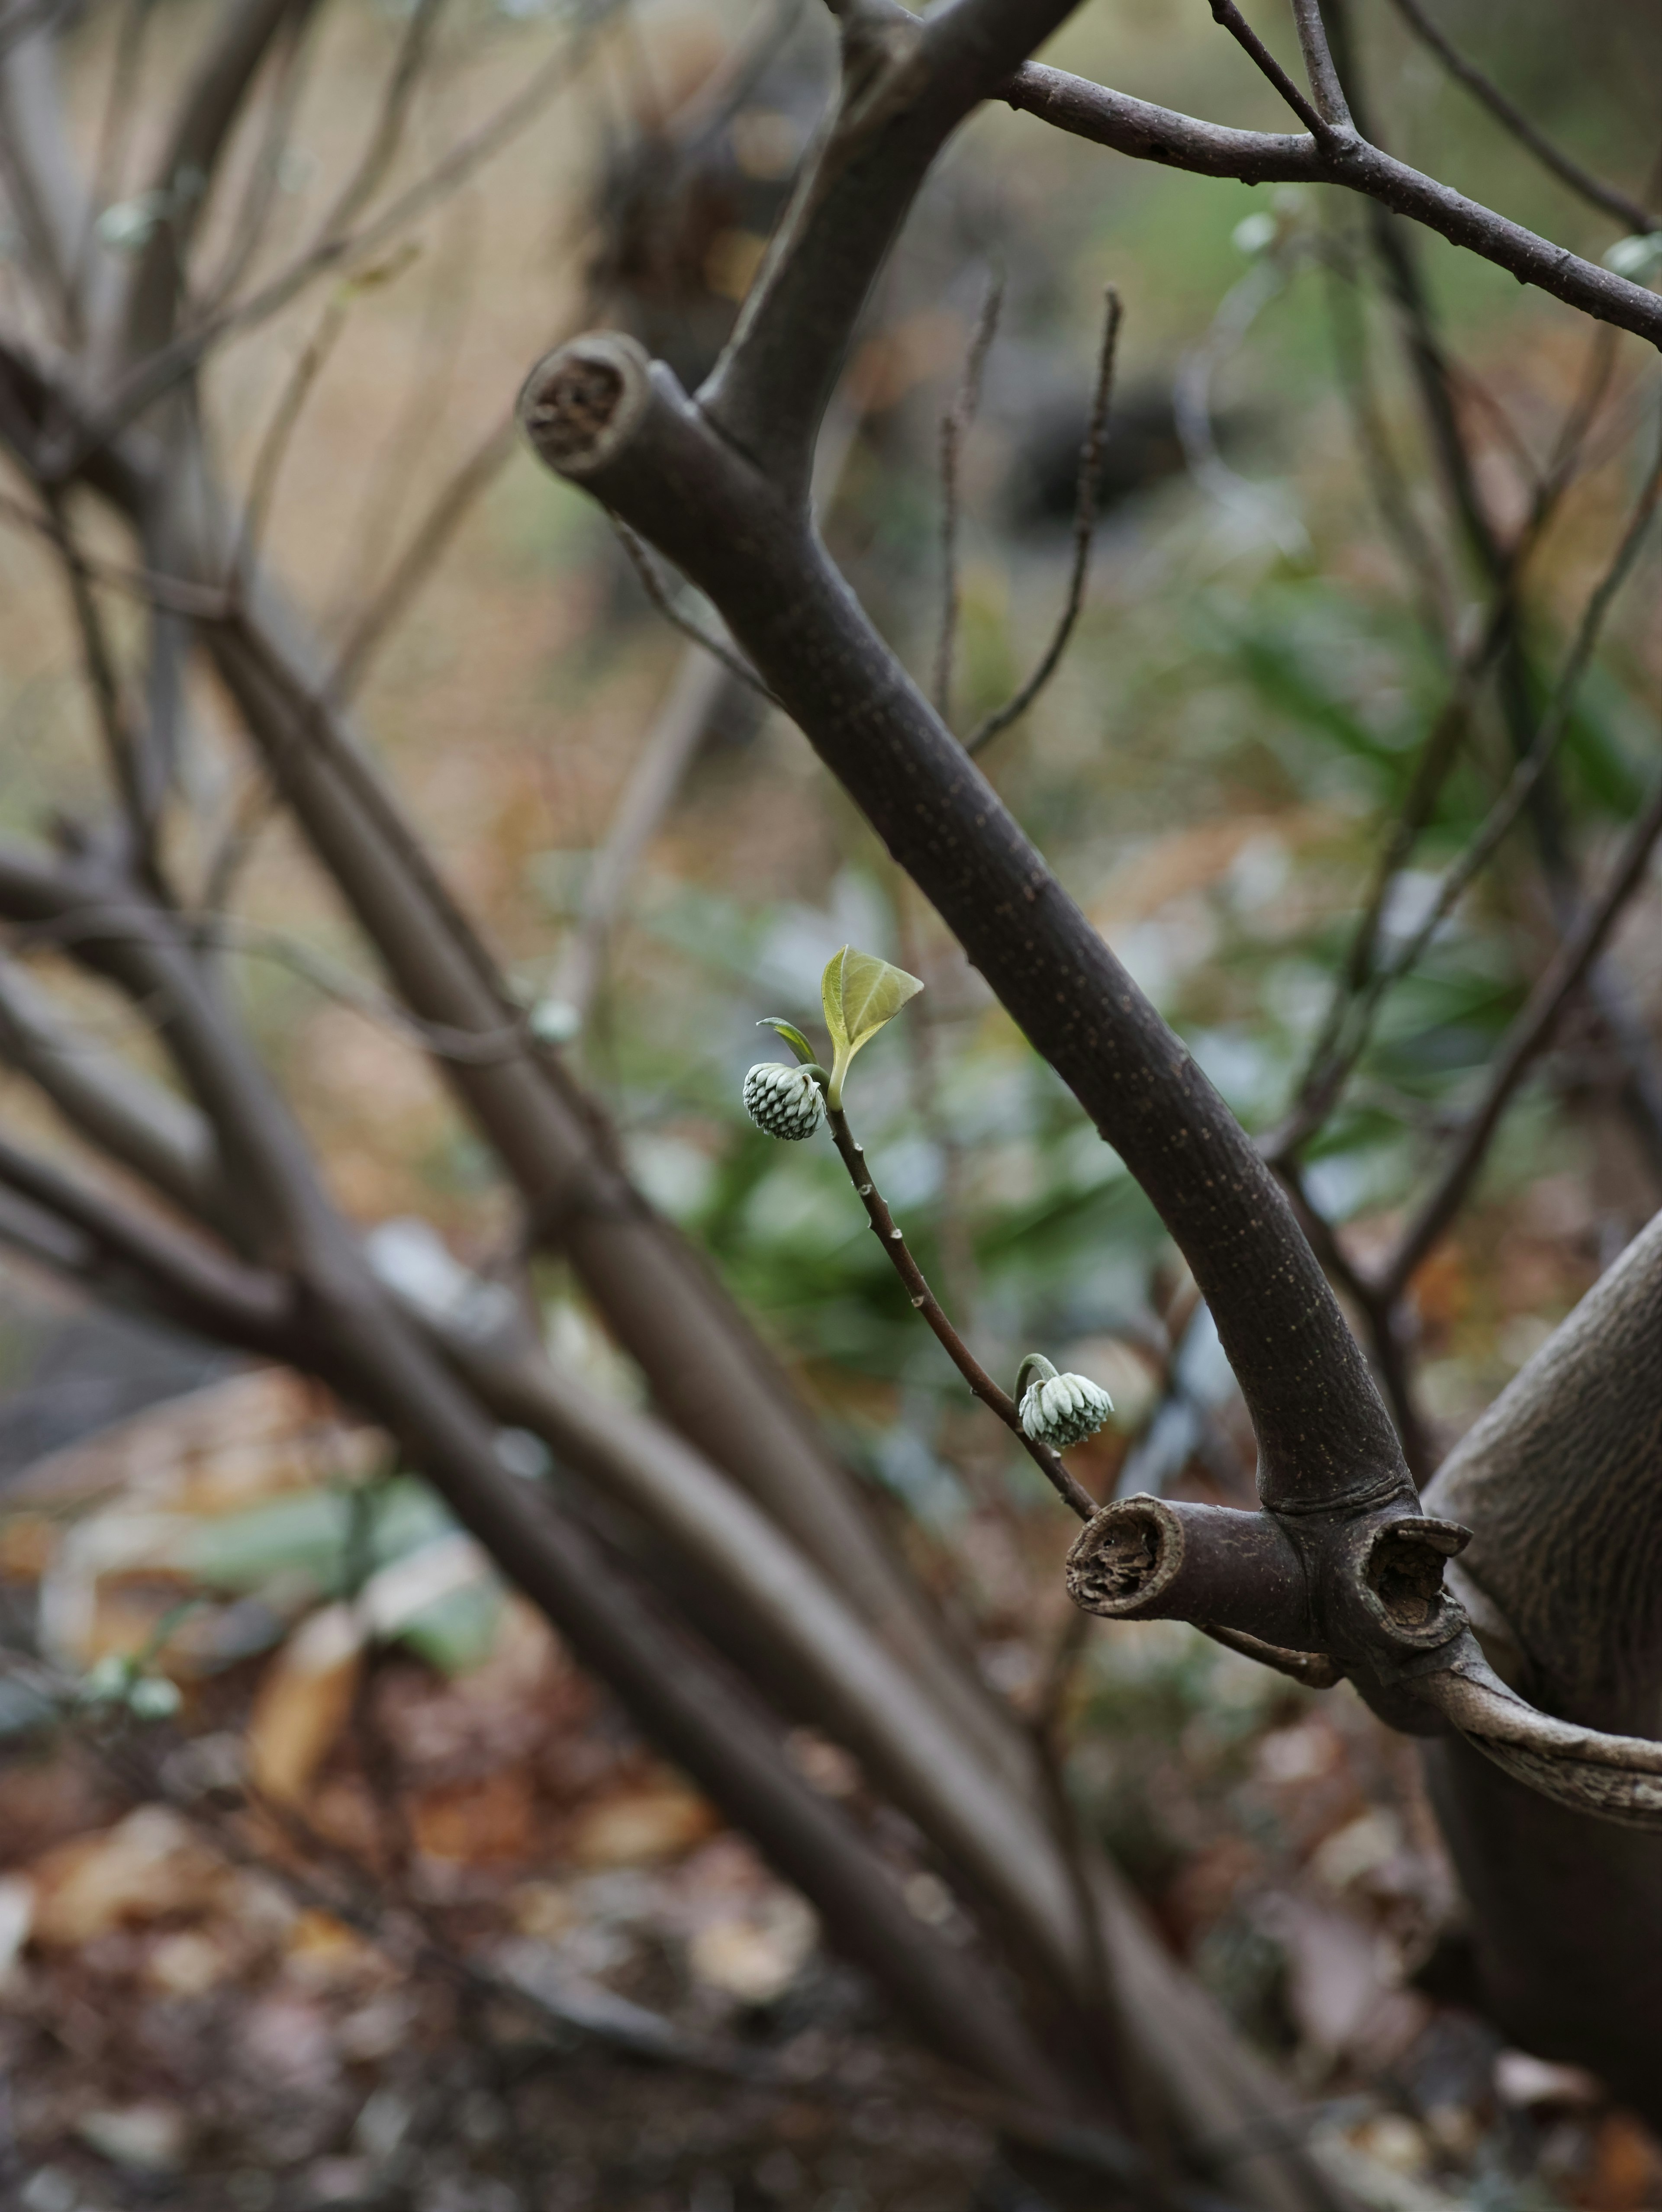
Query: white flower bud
(784,1101)
(1060,1410)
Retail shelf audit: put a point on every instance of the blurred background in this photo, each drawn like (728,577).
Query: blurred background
(195,2014)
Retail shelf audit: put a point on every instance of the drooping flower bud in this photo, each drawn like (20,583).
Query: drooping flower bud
(785,1101)
(1060,1410)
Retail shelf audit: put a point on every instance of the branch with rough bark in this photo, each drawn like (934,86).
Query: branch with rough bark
(1338,1560)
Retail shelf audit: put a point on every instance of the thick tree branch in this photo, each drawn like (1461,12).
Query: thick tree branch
(907,84)
(598,411)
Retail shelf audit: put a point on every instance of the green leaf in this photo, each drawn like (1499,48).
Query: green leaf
(793,1036)
(859,993)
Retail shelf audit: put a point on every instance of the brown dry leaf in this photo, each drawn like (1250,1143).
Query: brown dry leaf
(1442,1289)
(486,1822)
(1626,2174)
(148,1865)
(304,1702)
(635,1826)
(26,1546)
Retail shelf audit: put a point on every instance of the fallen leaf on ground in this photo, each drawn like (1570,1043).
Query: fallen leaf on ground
(635,1826)
(304,1701)
(148,1865)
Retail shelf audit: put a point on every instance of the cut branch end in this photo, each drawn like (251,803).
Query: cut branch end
(581,403)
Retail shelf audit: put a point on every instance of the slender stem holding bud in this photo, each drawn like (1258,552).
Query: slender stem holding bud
(1035,1368)
(1072,1493)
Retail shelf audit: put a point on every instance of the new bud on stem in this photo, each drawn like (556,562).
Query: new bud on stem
(785,1101)
(1058,1410)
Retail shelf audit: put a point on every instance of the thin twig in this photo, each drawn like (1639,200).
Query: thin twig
(1353,359)
(1331,1063)
(123,745)
(420,556)
(653,585)
(955,426)
(274,446)
(1528,1034)
(1230,16)
(1072,1493)
(1085,523)
(171,594)
(695,698)
(115,924)
(265,171)
(384,139)
(166,367)
(1510,118)
(121,111)
(1138,128)
(1324,85)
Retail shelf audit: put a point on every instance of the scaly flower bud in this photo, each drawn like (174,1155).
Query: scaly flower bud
(786,1101)
(1060,1410)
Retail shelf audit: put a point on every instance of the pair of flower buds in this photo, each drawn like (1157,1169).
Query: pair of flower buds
(1054,1409)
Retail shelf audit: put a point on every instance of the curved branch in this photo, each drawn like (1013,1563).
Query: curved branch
(906,86)
(1614,1778)
(1149,133)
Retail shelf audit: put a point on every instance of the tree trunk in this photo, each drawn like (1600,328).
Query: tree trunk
(1561,1481)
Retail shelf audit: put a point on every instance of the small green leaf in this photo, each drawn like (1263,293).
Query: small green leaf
(859,993)
(793,1036)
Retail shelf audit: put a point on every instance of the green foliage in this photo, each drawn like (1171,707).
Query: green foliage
(861,994)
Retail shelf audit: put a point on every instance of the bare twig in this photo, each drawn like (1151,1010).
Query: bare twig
(653,585)
(421,555)
(1085,523)
(205,603)
(1420,559)
(1072,1491)
(115,128)
(1230,16)
(683,722)
(1324,85)
(159,370)
(1512,119)
(113,923)
(274,446)
(123,742)
(1161,134)
(380,152)
(296,45)
(1529,1033)
(197,136)
(955,426)
(1330,1061)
